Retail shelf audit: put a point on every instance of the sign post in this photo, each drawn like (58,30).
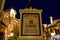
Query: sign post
(30,24)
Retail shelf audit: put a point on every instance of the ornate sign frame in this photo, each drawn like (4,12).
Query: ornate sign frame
(28,12)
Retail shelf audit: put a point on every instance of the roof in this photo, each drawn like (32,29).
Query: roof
(55,23)
(8,9)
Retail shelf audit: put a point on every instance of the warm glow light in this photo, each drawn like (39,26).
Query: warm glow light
(12,13)
(11,34)
(52,34)
(45,25)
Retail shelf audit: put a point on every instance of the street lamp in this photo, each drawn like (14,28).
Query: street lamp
(11,34)
(53,33)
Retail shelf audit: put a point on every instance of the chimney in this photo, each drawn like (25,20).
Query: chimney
(51,19)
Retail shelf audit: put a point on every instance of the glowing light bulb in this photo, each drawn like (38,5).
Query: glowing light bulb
(12,13)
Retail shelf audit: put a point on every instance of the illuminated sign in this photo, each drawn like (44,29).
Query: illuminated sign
(30,24)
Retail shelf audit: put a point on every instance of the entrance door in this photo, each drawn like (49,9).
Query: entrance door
(1,36)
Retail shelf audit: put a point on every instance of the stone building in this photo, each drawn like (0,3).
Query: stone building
(54,28)
(2,30)
(9,23)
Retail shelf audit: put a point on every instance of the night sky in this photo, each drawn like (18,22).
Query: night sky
(49,7)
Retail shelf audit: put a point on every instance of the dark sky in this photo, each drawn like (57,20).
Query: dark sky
(49,7)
